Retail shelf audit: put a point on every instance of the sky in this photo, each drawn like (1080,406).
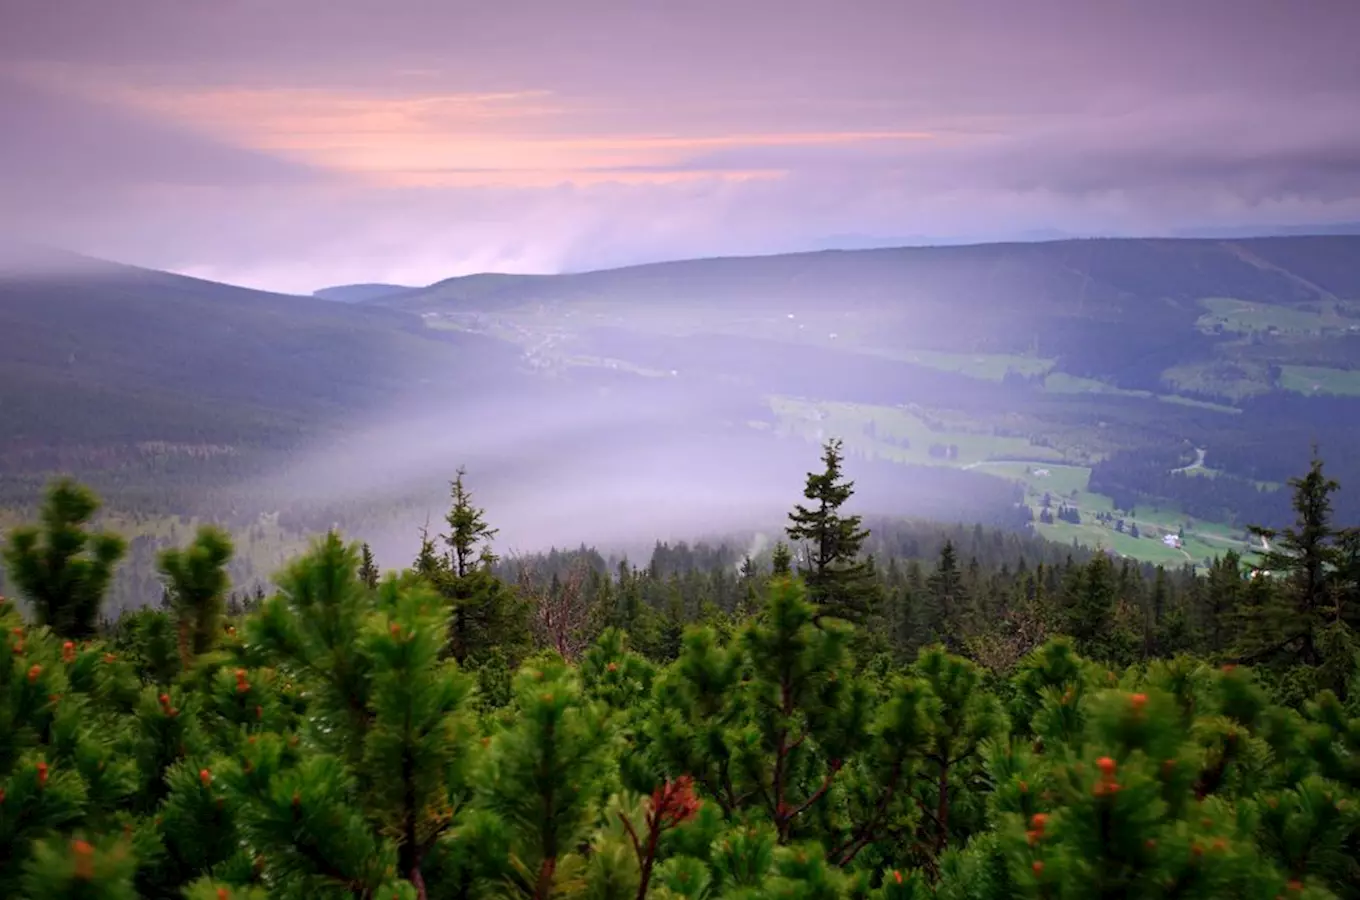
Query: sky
(296,144)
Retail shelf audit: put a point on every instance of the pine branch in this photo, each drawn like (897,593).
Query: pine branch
(819,793)
(845,853)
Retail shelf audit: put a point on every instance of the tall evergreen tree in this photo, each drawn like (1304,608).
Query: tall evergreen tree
(1303,560)
(839,582)
(467,527)
(1222,597)
(1090,605)
(944,600)
(486,613)
(368,569)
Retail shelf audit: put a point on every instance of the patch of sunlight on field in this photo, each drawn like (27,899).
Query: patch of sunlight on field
(1318,380)
(1231,380)
(898,434)
(1063,383)
(1093,536)
(1245,317)
(1040,478)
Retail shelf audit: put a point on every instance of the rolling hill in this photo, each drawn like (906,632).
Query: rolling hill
(99,356)
(1170,384)
(1122,358)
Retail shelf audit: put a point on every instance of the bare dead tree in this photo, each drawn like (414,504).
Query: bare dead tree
(560,608)
(1017,631)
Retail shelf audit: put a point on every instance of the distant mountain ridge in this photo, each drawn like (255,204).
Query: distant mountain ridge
(489,285)
(1058,277)
(359,293)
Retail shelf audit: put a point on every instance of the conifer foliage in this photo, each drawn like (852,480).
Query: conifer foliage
(1311,561)
(197,581)
(339,741)
(840,583)
(62,568)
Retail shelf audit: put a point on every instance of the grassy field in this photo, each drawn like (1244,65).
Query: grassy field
(898,434)
(846,331)
(1062,383)
(1226,314)
(1068,484)
(540,331)
(1317,380)
(1236,380)
(1202,540)
(1061,481)
(879,431)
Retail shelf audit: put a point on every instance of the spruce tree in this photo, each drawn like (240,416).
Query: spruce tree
(781,560)
(1304,561)
(839,582)
(62,568)
(945,600)
(1225,585)
(368,569)
(487,616)
(1089,606)
(467,527)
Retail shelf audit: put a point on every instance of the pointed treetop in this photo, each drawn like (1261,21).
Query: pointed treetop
(467,526)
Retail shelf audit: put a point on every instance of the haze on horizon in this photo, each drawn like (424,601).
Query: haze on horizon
(293,146)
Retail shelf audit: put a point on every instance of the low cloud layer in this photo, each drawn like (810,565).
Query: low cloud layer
(298,145)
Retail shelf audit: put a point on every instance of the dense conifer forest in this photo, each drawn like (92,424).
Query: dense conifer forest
(866,709)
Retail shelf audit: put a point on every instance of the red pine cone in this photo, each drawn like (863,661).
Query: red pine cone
(84,854)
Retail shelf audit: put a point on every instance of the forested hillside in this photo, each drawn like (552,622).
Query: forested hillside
(895,712)
(104,356)
(1182,378)
(1158,393)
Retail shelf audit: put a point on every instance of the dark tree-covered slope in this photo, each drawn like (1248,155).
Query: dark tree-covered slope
(97,352)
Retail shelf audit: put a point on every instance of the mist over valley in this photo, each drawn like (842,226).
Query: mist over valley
(1176,384)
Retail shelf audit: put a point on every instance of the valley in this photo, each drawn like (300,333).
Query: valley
(1113,368)
(1168,387)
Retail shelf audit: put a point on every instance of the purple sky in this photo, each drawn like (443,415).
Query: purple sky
(293,144)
